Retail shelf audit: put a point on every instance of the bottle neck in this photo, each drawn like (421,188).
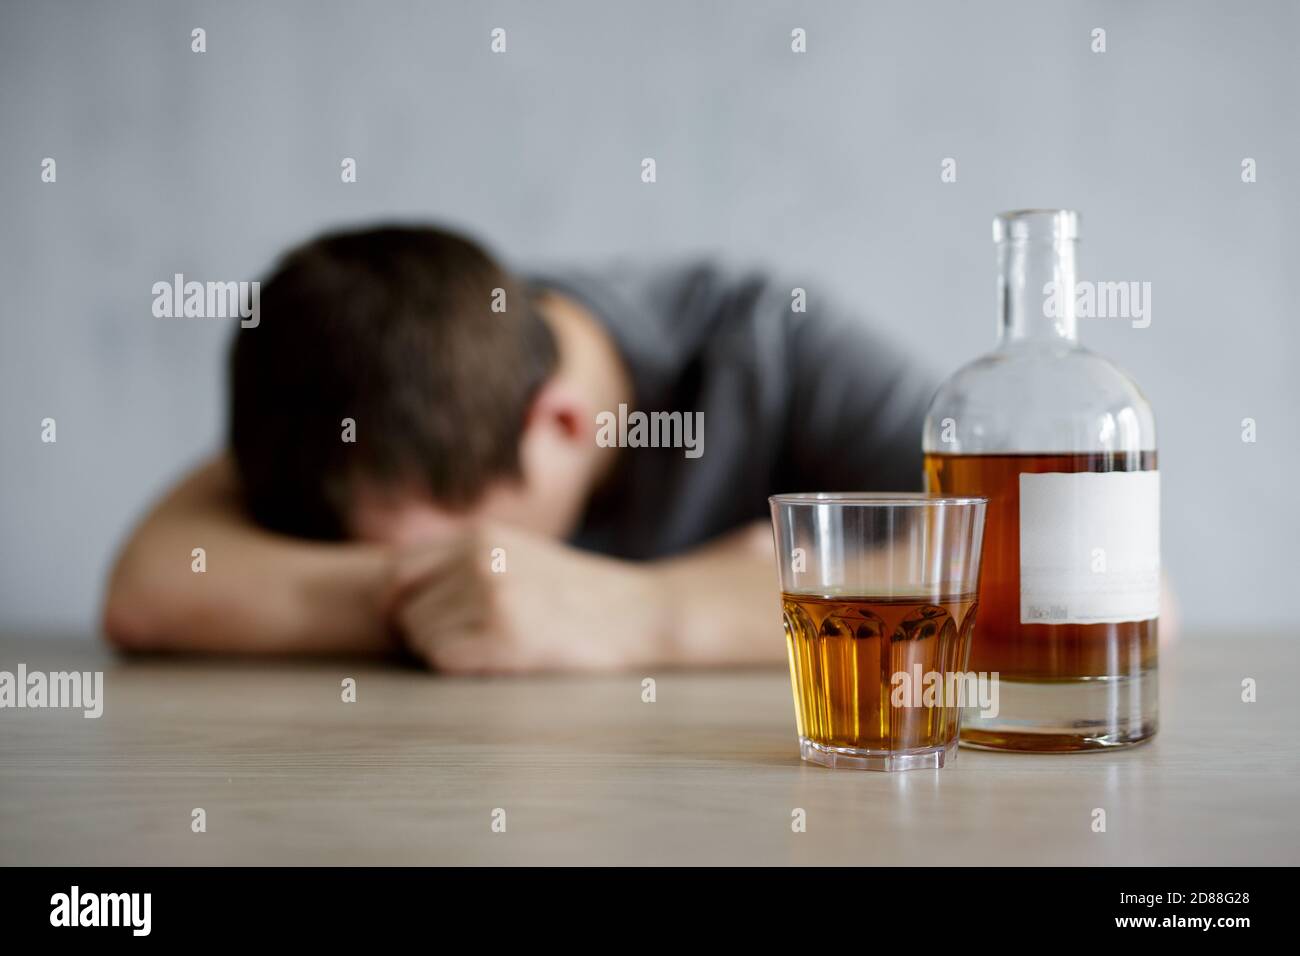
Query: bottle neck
(1036,302)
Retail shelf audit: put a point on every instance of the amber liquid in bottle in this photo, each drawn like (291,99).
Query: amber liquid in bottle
(1038,653)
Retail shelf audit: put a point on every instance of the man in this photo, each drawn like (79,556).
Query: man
(424,451)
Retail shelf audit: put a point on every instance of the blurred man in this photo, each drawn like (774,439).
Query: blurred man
(512,473)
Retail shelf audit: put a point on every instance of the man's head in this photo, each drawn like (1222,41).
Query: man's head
(382,394)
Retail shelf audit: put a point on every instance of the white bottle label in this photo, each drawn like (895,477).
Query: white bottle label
(1089,547)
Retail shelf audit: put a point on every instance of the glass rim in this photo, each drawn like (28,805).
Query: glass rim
(1018,225)
(876,498)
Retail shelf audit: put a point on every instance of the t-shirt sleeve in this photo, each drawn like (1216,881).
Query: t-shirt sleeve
(857,404)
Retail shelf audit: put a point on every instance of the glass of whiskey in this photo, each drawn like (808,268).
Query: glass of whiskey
(878,596)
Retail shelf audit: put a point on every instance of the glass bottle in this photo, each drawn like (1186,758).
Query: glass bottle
(1063,445)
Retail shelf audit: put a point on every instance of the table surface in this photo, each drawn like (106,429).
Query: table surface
(586,772)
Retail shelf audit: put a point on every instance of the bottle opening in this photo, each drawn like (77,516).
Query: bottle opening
(1023,224)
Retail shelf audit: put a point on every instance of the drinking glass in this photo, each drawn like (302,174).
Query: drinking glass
(879,596)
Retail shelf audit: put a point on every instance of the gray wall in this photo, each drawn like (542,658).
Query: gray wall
(825,165)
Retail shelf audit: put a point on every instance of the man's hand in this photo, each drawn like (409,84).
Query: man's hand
(534,605)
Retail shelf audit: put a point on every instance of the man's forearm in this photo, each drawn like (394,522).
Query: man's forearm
(257,592)
(722,602)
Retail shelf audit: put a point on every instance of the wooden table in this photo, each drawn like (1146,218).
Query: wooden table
(587,773)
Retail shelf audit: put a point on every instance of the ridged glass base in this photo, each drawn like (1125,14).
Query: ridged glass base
(849,758)
(1067,716)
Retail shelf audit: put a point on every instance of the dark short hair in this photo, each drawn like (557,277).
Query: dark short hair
(393,328)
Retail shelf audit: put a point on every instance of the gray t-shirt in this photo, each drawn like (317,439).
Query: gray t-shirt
(792,401)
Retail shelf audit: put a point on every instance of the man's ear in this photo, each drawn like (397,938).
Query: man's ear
(558,406)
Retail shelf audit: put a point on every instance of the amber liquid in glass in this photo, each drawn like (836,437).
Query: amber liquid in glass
(1040,653)
(844,653)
